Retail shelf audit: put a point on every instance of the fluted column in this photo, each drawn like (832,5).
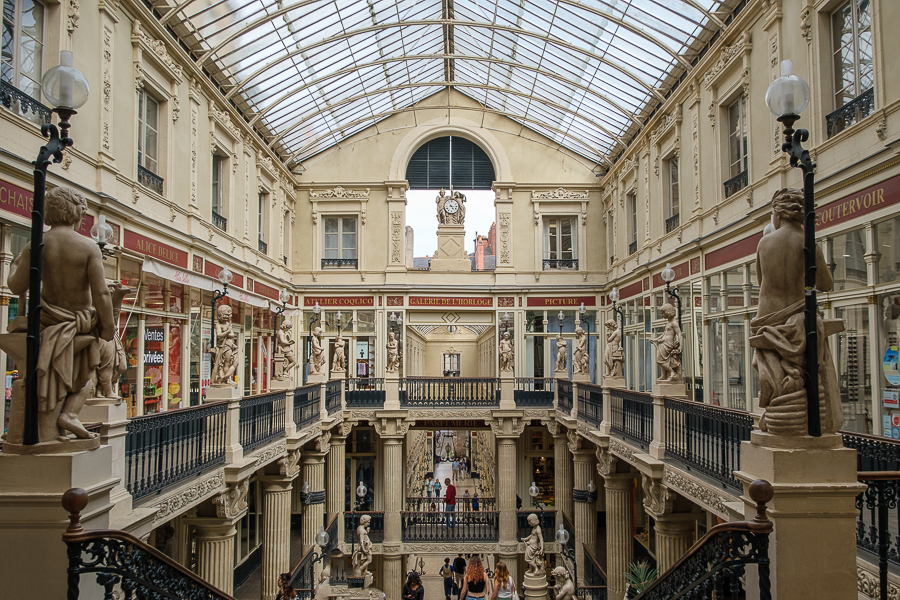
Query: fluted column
(393,503)
(506,487)
(276,550)
(215,548)
(562,478)
(334,491)
(674,536)
(585,510)
(619,538)
(314,502)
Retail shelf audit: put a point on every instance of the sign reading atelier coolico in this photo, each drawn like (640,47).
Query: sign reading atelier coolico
(865,201)
(164,252)
(441,301)
(328,302)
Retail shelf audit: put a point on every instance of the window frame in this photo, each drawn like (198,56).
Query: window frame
(743,154)
(142,127)
(835,50)
(18,32)
(340,233)
(262,221)
(631,211)
(673,189)
(217,191)
(557,221)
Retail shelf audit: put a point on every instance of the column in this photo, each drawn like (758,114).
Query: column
(585,507)
(276,550)
(314,509)
(563,476)
(393,503)
(619,534)
(506,500)
(334,491)
(674,537)
(215,545)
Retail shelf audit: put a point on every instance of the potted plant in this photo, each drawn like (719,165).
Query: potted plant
(638,578)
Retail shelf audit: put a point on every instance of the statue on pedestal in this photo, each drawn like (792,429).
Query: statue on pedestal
(565,589)
(561,358)
(778,334)
(534,547)
(113,361)
(284,343)
(226,359)
(441,200)
(614,357)
(580,357)
(668,347)
(507,353)
(393,353)
(339,363)
(362,555)
(317,359)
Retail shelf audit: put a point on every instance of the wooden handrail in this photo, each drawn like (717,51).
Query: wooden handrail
(590,554)
(878,475)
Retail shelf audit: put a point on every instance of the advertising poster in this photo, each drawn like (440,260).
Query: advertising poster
(892,398)
(891,365)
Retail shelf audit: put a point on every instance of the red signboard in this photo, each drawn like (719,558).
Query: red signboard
(872,198)
(734,251)
(212,270)
(631,290)
(18,201)
(265,290)
(562,302)
(681,271)
(329,302)
(439,301)
(144,245)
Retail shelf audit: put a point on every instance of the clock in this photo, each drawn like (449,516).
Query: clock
(451,206)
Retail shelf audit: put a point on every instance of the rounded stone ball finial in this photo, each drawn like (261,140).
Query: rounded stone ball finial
(761,491)
(74,501)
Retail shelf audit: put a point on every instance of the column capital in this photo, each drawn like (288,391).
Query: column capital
(619,481)
(289,466)
(313,458)
(275,483)
(508,423)
(584,455)
(232,503)
(214,529)
(675,523)
(391,424)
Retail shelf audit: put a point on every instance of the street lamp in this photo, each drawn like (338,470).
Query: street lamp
(562,538)
(67,89)
(225,277)
(614,296)
(360,500)
(560,318)
(786,97)
(668,275)
(321,541)
(101,233)
(581,313)
(505,318)
(279,312)
(534,491)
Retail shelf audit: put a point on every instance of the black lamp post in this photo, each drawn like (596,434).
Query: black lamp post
(67,89)
(786,97)
(360,500)
(614,296)
(668,275)
(279,312)
(225,277)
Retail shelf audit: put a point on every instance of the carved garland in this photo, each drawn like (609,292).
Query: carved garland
(559,194)
(340,192)
(182,499)
(726,57)
(693,489)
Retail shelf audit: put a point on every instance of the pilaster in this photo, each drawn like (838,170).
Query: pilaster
(334,491)
(392,446)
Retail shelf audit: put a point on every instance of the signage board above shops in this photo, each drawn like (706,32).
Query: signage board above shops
(555,301)
(211,269)
(442,301)
(335,302)
(18,201)
(681,271)
(150,247)
(876,197)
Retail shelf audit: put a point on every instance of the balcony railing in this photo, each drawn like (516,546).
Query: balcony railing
(263,247)
(150,180)
(364,392)
(564,396)
(262,419)
(632,415)
(333,396)
(736,183)
(219,221)
(546,519)
(560,263)
(472,526)
(534,391)
(376,525)
(590,403)
(340,262)
(706,438)
(851,113)
(632,247)
(423,503)
(427,392)
(22,104)
(165,448)
(673,222)
(306,405)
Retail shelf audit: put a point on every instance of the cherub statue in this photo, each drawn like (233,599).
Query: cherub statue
(668,347)
(339,363)
(580,356)
(284,343)
(362,555)
(613,358)
(507,353)
(317,359)
(226,349)
(112,354)
(441,200)
(534,547)
(561,358)
(565,589)
(393,354)
(323,590)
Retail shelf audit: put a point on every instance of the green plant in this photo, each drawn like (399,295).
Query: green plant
(639,577)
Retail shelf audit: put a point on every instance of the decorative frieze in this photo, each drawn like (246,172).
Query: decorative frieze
(726,56)
(339,193)
(157,49)
(695,490)
(396,238)
(171,505)
(505,238)
(559,194)
(268,454)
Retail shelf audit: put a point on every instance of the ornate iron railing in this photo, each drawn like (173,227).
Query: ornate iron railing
(21,103)
(546,518)
(124,566)
(219,221)
(715,567)
(874,531)
(594,575)
(560,263)
(480,526)
(340,262)
(165,448)
(150,180)
(592,592)
(673,222)
(331,529)
(564,393)
(632,415)
(261,419)
(707,438)
(333,396)
(364,392)
(427,392)
(632,247)
(534,391)
(851,113)
(736,183)
(423,503)
(376,525)
(590,403)
(303,576)
(263,247)
(873,453)
(306,405)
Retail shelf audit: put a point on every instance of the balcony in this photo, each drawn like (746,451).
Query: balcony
(673,222)
(851,113)
(351,263)
(150,180)
(428,392)
(364,392)
(560,263)
(22,104)
(534,391)
(219,221)
(632,247)
(263,247)
(736,183)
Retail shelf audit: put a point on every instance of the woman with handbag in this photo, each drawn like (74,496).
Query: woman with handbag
(504,586)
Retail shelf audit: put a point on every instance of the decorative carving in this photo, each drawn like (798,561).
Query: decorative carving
(323,442)
(881,128)
(505,237)
(289,466)
(667,123)
(694,490)
(669,347)
(574,443)
(267,454)
(559,194)
(233,502)
(226,352)
(444,414)
(508,426)
(284,344)
(72,16)
(171,505)
(158,48)
(621,450)
(442,548)
(176,108)
(867,583)
(606,462)
(657,498)
(614,356)
(726,55)
(396,237)
(340,192)
(711,113)
(806,25)
(392,426)
(393,354)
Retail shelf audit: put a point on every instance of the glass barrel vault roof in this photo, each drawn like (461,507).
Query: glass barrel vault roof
(310,73)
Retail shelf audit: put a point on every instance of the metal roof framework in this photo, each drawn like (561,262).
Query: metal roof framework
(308,74)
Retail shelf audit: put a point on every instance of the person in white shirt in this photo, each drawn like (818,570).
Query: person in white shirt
(171,543)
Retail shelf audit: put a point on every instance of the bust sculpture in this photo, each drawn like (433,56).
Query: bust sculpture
(507,353)
(112,354)
(339,363)
(362,555)
(668,347)
(580,358)
(777,333)
(534,547)
(323,589)
(284,344)
(565,589)
(613,357)
(226,360)
(562,358)
(393,353)
(317,359)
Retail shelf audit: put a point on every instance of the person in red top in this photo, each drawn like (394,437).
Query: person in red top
(450,503)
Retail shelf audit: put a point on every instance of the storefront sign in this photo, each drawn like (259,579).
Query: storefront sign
(681,271)
(330,302)
(164,252)
(863,202)
(18,201)
(265,290)
(212,270)
(890,365)
(455,424)
(891,399)
(562,302)
(455,302)
(734,251)
(630,290)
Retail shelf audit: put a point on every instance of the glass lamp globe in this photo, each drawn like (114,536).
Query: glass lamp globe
(400,320)
(317,309)
(561,316)
(614,295)
(322,537)
(64,85)
(284,296)
(582,309)
(789,94)
(668,274)
(770,227)
(361,490)
(393,317)
(591,487)
(562,536)
(534,490)
(306,488)
(101,232)
(339,316)
(506,316)
(225,276)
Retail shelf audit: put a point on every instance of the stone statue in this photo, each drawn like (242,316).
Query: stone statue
(614,357)
(777,333)
(323,590)
(393,354)
(284,343)
(339,362)
(668,347)
(441,200)
(561,358)
(112,354)
(565,589)
(458,217)
(76,314)
(580,358)
(507,353)
(317,359)
(534,547)
(362,555)
(226,360)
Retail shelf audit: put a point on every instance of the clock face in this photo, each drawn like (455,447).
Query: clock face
(452,206)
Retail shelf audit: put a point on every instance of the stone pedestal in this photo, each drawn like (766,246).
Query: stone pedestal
(619,539)
(215,549)
(451,252)
(672,390)
(282,384)
(216,393)
(507,391)
(276,550)
(582,377)
(316,378)
(615,382)
(392,390)
(535,586)
(339,374)
(112,414)
(813,546)
(562,477)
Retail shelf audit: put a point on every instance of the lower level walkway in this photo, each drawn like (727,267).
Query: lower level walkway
(252,588)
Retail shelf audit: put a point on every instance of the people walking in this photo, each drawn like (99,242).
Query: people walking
(413,589)
(450,503)
(466,506)
(504,586)
(475,501)
(475,581)
(456,470)
(447,573)
(459,570)
(437,489)
(429,486)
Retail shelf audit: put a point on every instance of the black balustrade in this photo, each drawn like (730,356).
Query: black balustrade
(546,518)
(431,526)
(302,576)
(592,592)
(423,503)
(632,247)
(261,419)
(632,416)
(331,529)
(594,575)
(707,438)
(673,222)
(534,391)
(22,104)
(333,396)
(263,247)
(851,113)
(219,221)
(364,392)
(376,525)
(590,403)
(564,396)
(736,183)
(165,448)
(340,262)
(560,263)
(150,180)
(306,405)
(444,392)
(873,453)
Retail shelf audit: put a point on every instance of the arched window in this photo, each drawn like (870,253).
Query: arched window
(450,161)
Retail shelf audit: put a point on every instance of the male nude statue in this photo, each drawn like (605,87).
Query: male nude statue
(285,343)
(76,312)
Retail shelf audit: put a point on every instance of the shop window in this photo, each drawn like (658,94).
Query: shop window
(560,243)
(887,250)
(249,536)
(737,147)
(154,361)
(851,40)
(734,287)
(888,350)
(847,261)
(340,242)
(851,355)
(365,321)
(22,56)
(173,368)
(715,388)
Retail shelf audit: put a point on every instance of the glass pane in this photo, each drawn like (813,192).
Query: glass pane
(887,250)
(715,389)
(888,348)
(851,355)
(848,263)
(174,391)
(737,386)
